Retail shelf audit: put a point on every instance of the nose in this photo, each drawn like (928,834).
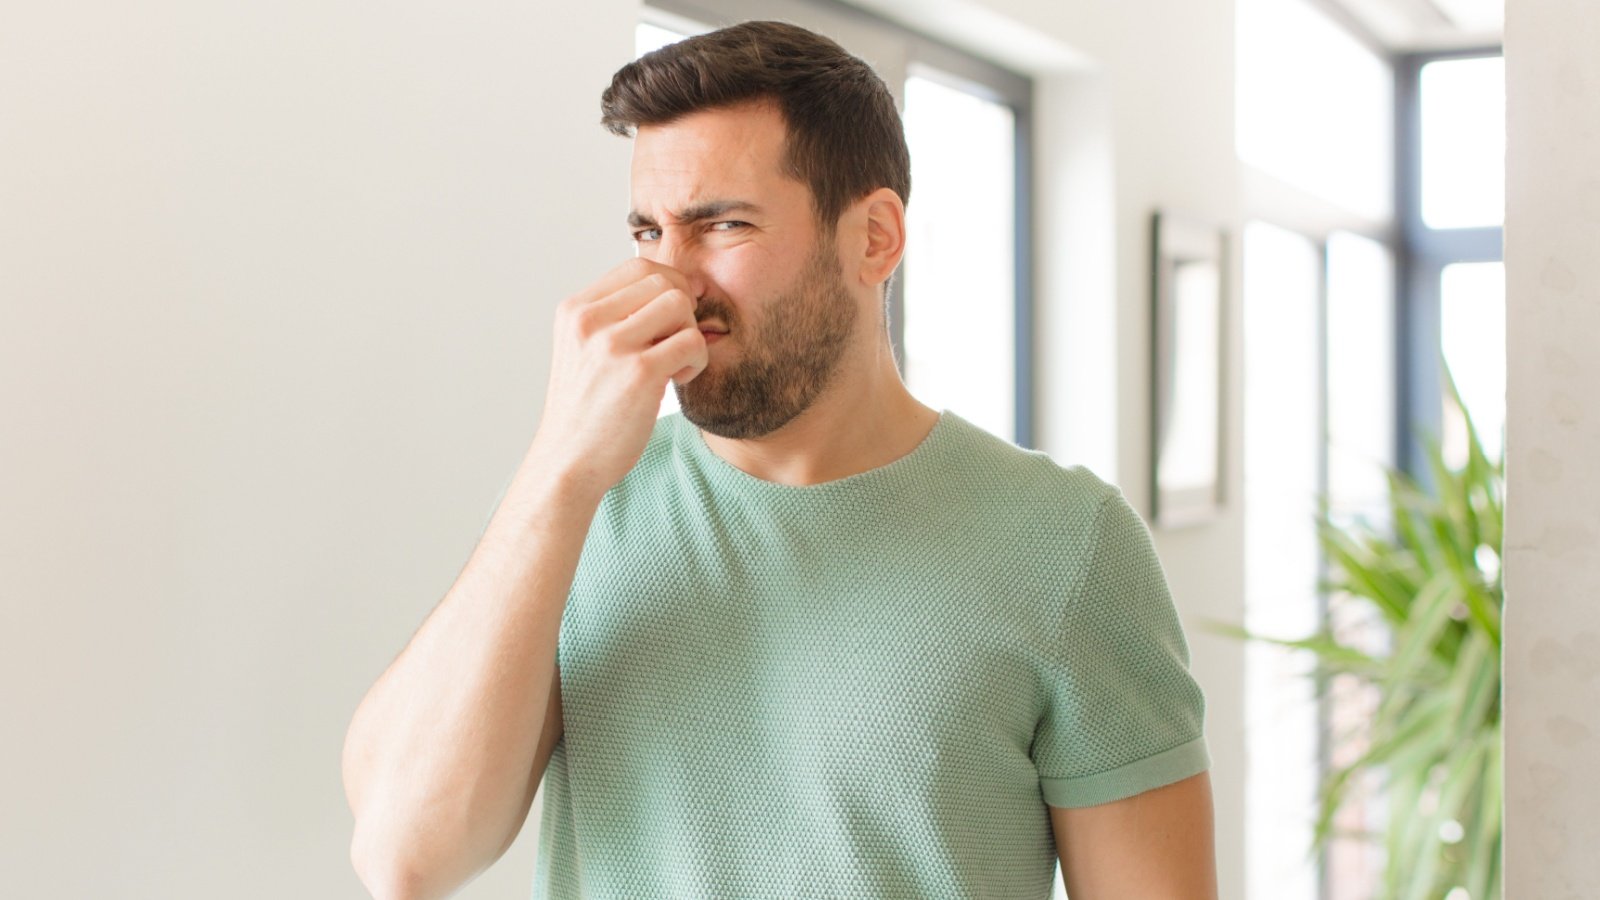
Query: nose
(682,252)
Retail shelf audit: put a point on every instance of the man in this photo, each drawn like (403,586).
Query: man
(807,637)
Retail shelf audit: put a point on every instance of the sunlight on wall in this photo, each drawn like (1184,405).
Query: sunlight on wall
(1315,106)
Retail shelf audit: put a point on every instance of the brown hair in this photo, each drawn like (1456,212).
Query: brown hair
(845,138)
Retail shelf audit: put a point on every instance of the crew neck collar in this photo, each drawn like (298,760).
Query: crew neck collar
(689,436)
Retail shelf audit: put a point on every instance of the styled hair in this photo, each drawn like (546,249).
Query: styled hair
(844,136)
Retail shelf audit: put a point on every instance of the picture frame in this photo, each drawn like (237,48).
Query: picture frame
(1188,328)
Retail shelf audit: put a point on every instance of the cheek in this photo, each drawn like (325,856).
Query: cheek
(742,272)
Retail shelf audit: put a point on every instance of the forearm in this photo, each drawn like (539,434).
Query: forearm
(439,753)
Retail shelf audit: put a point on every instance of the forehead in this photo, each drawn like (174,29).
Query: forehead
(729,151)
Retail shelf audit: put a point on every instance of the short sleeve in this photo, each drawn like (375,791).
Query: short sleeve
(1122,713)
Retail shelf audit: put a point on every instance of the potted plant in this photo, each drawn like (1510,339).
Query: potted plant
(1436,735)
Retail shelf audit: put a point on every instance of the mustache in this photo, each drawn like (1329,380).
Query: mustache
(707,309)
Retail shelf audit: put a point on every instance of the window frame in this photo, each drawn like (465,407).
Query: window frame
(902,51)
(1422,254)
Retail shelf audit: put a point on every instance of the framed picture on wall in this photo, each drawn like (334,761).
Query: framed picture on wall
(1187,329)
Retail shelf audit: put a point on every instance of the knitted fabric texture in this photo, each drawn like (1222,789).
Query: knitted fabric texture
(873,687)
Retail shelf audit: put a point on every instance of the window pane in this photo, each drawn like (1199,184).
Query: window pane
(1314,105)
(1282,282)
(960,289)
(1463,142)
(1473,331)
(1361,410)
(1361,372)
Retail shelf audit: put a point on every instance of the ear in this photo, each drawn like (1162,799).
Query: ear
(881,238)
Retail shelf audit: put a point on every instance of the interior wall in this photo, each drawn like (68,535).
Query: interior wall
(277,287)
(278,284)
(1551,570)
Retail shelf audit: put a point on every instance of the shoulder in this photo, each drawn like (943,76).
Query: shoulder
(1025,483)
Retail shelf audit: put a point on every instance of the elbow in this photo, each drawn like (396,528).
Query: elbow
(386,876)
(386,883)
(390,874)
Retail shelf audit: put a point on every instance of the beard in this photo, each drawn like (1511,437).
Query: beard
(784,362)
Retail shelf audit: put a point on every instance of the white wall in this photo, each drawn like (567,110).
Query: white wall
(277,284)
(1552,570)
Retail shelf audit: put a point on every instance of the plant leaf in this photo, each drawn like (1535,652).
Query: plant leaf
(1419,732)
(1410,668)
(1331,655)
(1482,870)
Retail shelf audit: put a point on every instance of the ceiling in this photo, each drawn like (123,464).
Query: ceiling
(1409,25)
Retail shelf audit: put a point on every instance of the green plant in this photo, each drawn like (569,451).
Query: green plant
(1437,731)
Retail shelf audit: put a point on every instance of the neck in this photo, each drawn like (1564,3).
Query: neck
(865,419)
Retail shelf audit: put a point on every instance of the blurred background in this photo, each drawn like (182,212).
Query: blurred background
(278,282)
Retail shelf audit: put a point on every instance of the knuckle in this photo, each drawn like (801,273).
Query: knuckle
(587,321)
(612,343)
(639,369)
(681,301)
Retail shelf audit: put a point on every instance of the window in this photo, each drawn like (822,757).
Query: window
(1283,431)
(1361,371)
(960,305)
(1319,401)
(1315,137)
(1452,201)
(1392,286)
(1359,406)
(1463,142)
(960,320)
(1472,311)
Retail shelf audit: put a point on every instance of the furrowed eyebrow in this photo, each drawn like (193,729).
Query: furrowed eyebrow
(697,212)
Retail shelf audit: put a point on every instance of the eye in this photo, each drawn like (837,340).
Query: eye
(640,234)
(714,225)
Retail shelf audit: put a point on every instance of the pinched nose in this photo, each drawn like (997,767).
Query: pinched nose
(684,255)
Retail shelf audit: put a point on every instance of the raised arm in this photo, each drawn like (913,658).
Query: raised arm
(444,754)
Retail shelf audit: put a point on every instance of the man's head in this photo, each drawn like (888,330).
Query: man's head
(845,137)
(770,167)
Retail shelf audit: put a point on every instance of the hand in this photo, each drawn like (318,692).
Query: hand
(616,343)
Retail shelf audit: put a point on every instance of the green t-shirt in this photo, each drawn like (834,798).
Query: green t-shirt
(865,688)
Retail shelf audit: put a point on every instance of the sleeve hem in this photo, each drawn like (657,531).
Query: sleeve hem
(1136,777)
